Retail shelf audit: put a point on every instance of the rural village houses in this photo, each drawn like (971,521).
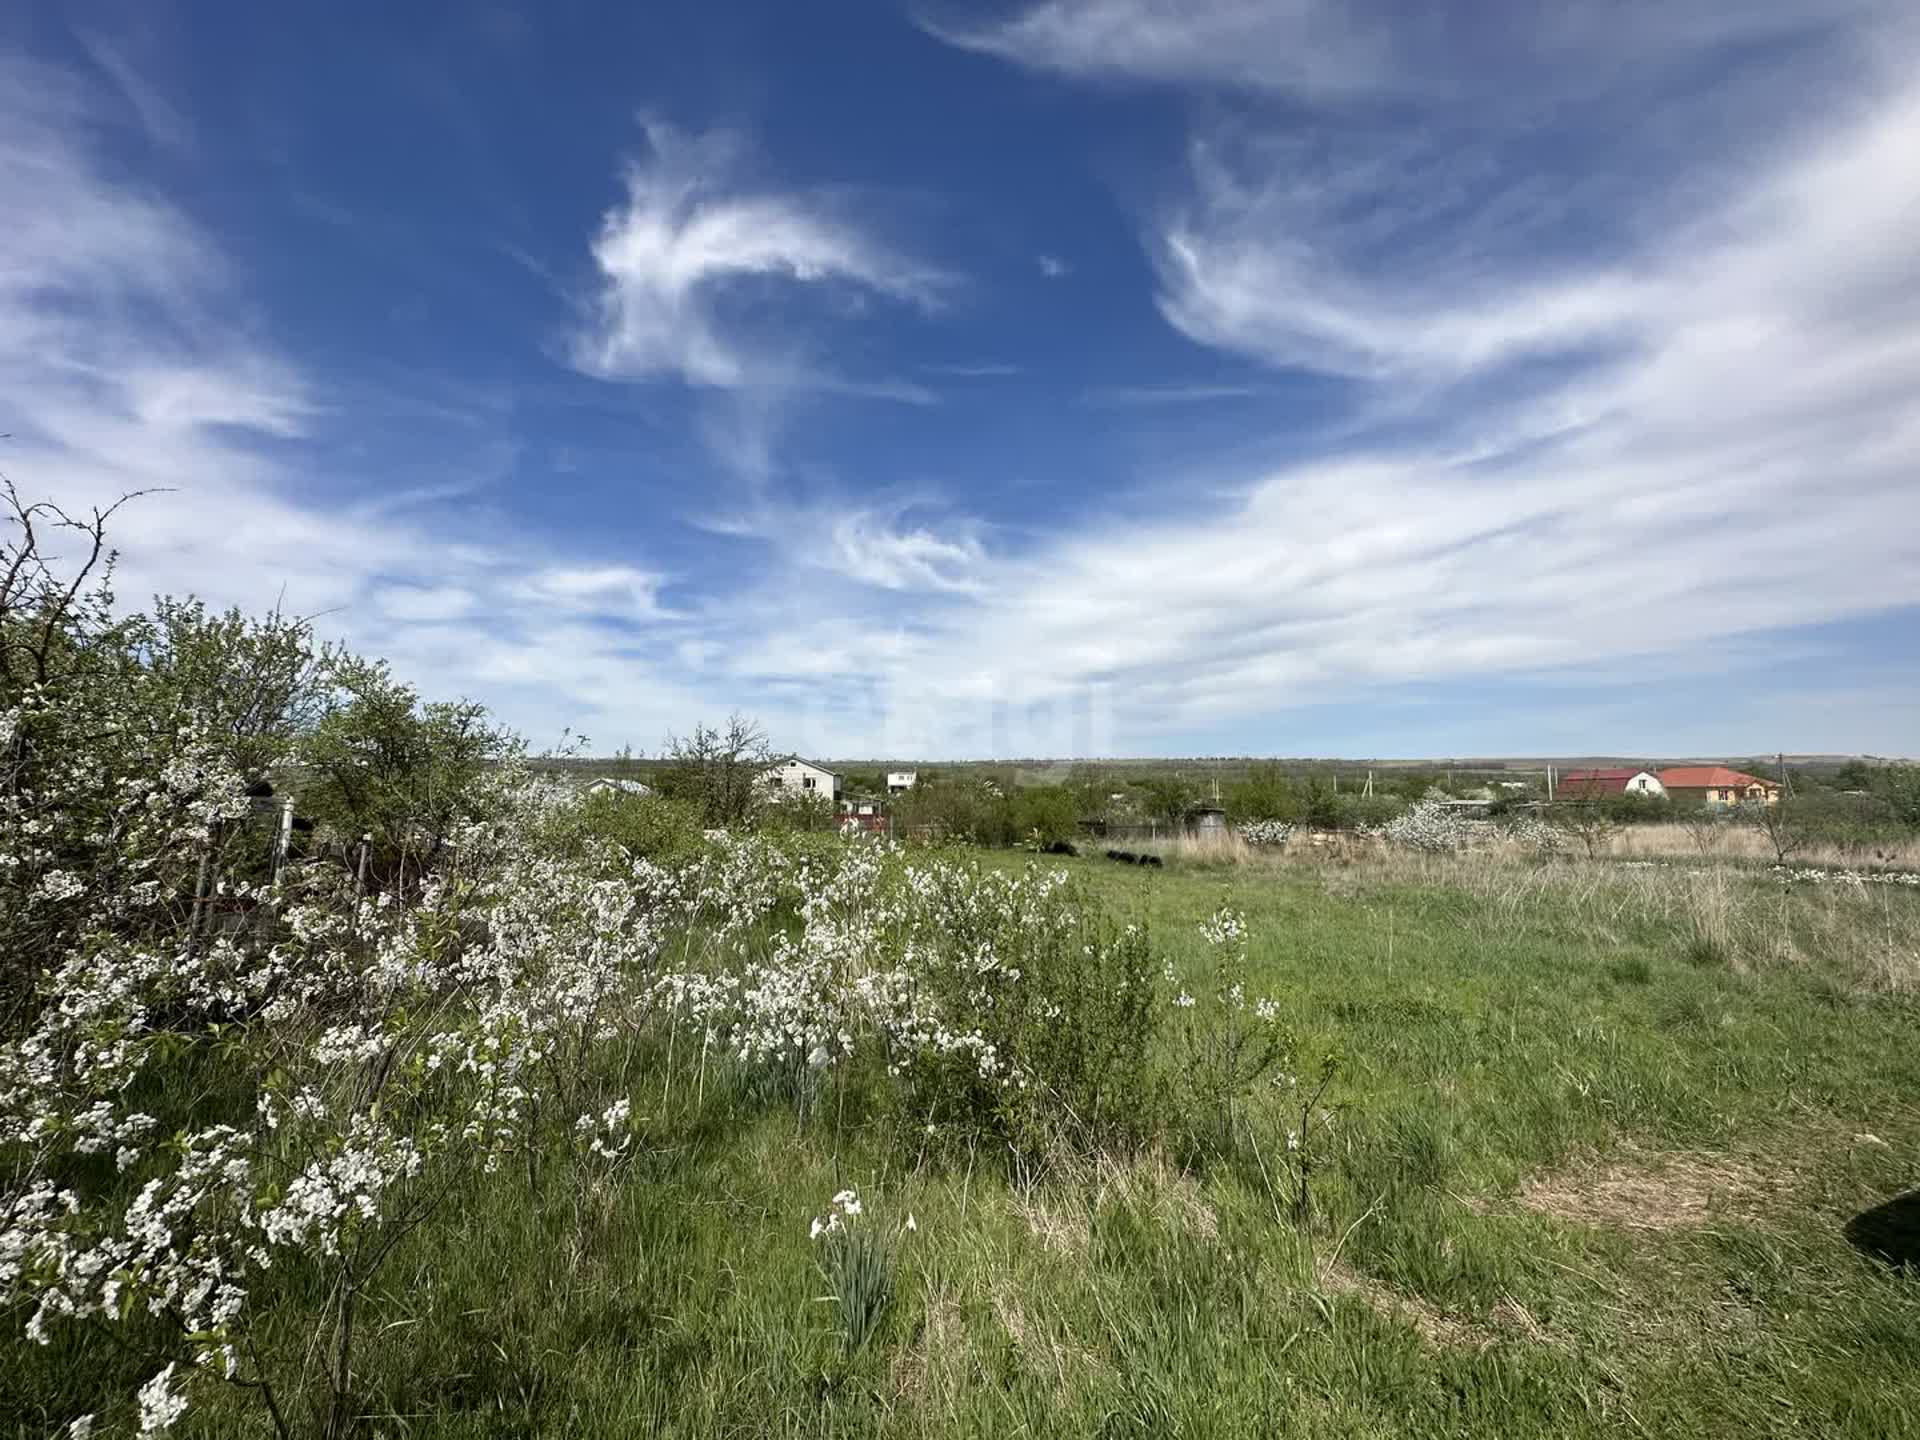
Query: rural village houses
(1684,784)
(1717,785)
(1583,784)
(794,777)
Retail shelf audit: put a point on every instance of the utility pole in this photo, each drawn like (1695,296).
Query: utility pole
(1786,780)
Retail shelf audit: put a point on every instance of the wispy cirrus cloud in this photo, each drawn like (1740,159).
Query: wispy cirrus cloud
(129,360)
(1600,416)
(1339,51)
(906,544)
(683,258)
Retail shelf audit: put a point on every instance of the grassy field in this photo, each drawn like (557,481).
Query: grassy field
(1588,1169)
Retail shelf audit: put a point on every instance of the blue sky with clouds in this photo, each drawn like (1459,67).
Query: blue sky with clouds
(1090,376)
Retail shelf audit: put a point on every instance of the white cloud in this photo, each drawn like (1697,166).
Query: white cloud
(868,542)
(1053,267)
(425,603)
(1342,51)
(1736,459)
(690,241)
(1120,397)
(1322,263)
(1740,459)
(874,547)
(1303,45)
(123,367)
(614,591)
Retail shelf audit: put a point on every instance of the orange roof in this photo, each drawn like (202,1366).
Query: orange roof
(1709,777)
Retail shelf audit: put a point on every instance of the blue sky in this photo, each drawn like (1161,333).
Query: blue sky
(1096,376)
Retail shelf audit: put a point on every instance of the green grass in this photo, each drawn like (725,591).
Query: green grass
(1486,1044)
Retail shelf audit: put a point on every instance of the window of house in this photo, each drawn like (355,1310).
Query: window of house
(806,782)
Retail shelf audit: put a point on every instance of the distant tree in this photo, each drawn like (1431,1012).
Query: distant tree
(1166,797)
(1856,774)
(960,808)
(1046,814)
(1265,794)
(1860,827)
(1898,788)
(1321,809)
(720,771)
(1787,825)
(1704,824)
(1090,791)
(1588,823)
(382,763)
(255,684)
(791,813)
(1414,784)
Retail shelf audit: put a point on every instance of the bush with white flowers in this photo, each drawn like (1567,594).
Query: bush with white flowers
(1267,833)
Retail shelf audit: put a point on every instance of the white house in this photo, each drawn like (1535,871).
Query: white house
(1591,784)
(1644,783)
(624,787)
(899,780)
(796,777)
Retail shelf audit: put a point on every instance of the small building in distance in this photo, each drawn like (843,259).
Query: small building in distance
(794,777)
(607,783)
(1592,784)
(1717,785)
(899,781)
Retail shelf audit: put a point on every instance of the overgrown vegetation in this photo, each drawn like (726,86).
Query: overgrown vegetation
(534,1112)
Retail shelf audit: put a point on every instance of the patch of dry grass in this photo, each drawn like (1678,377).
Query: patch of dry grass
(1647,1190)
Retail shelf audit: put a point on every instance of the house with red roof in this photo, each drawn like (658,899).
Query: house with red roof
(1593,784)
(1717,785)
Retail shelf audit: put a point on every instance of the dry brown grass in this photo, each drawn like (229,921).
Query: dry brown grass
(1150,1182)
(1656,1190)
(1726,913)
(1735,841)
(935,1365)
(1510,1319)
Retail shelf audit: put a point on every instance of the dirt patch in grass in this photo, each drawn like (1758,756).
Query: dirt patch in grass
(1655,1190)
(1510,1320)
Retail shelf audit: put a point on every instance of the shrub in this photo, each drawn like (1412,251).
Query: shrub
(1430,825)
(1007,961)
(648,827)
(1273,833)
(1046,815)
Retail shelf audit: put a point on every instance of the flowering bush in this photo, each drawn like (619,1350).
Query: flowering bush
(950,980)
(231,1077)
(1229,1043)
(1430,825)
(1267,832)
(1532,833)
(381,1056)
